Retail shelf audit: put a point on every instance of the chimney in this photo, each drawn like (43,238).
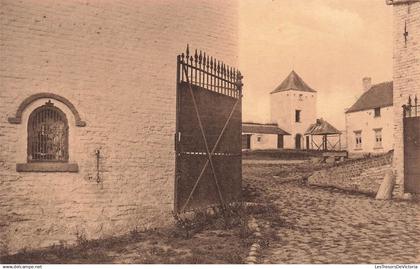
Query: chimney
(367,83)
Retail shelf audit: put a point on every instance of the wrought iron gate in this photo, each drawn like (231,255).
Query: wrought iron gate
(208,132)
(411,124)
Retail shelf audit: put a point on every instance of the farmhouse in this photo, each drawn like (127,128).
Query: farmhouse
(369,121)
(262,136)
(87,105)
(293,108)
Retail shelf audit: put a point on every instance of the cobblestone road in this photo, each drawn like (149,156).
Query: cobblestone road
(315,225)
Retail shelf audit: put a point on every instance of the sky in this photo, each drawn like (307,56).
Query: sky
(331,44)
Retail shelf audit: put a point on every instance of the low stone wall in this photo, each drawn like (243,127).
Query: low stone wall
(280,154)
(362,175)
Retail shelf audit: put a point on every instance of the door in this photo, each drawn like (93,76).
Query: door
(246,141)
(307,142)
(280,142)
(298,141)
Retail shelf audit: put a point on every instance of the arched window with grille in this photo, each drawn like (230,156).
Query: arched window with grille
(48,135)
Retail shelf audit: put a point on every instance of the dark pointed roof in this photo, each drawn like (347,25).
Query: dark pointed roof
(379,95)
(293,82)
(260,128)
(321,127)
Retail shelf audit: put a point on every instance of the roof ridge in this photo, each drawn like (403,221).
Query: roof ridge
(378,95)
(381,83)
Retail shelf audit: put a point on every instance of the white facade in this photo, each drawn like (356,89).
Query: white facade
(263,141)
(284,105)
(369,134)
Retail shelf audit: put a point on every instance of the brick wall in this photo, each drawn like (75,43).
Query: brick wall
(406,75)
(361,175)
(116,62)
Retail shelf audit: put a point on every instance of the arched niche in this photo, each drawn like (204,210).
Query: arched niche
(17,119)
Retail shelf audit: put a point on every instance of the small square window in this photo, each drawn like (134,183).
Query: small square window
(378,138)
(377,112)
(259,138)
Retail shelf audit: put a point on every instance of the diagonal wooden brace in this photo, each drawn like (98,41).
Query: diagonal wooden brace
(204,139)
(209,154)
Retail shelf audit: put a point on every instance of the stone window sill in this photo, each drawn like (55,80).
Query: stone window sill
(377,148)
(47,167)
(358,149)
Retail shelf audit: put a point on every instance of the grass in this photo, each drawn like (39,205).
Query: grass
(211,241)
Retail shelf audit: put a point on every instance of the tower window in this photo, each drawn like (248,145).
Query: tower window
(378,138)
(297,115)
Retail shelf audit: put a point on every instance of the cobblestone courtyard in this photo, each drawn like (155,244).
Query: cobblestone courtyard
(315,225)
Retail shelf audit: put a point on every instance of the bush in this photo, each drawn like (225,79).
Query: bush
(214,217)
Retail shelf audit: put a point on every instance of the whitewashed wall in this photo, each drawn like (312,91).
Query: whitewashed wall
(366,122)
(283,107)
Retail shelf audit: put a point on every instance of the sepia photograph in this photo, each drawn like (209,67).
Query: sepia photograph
(215,132)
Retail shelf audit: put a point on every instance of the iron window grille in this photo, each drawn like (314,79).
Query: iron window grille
(47,135)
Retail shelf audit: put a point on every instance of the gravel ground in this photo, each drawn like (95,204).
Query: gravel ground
(317,225)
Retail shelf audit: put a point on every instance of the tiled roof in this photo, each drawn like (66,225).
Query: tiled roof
(379,95)
(259,128)
(321,127)
(293,82)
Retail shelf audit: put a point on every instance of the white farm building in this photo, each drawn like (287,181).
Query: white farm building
(369,121)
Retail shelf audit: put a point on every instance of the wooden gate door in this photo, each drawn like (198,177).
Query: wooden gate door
(208,133)
(411,124)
